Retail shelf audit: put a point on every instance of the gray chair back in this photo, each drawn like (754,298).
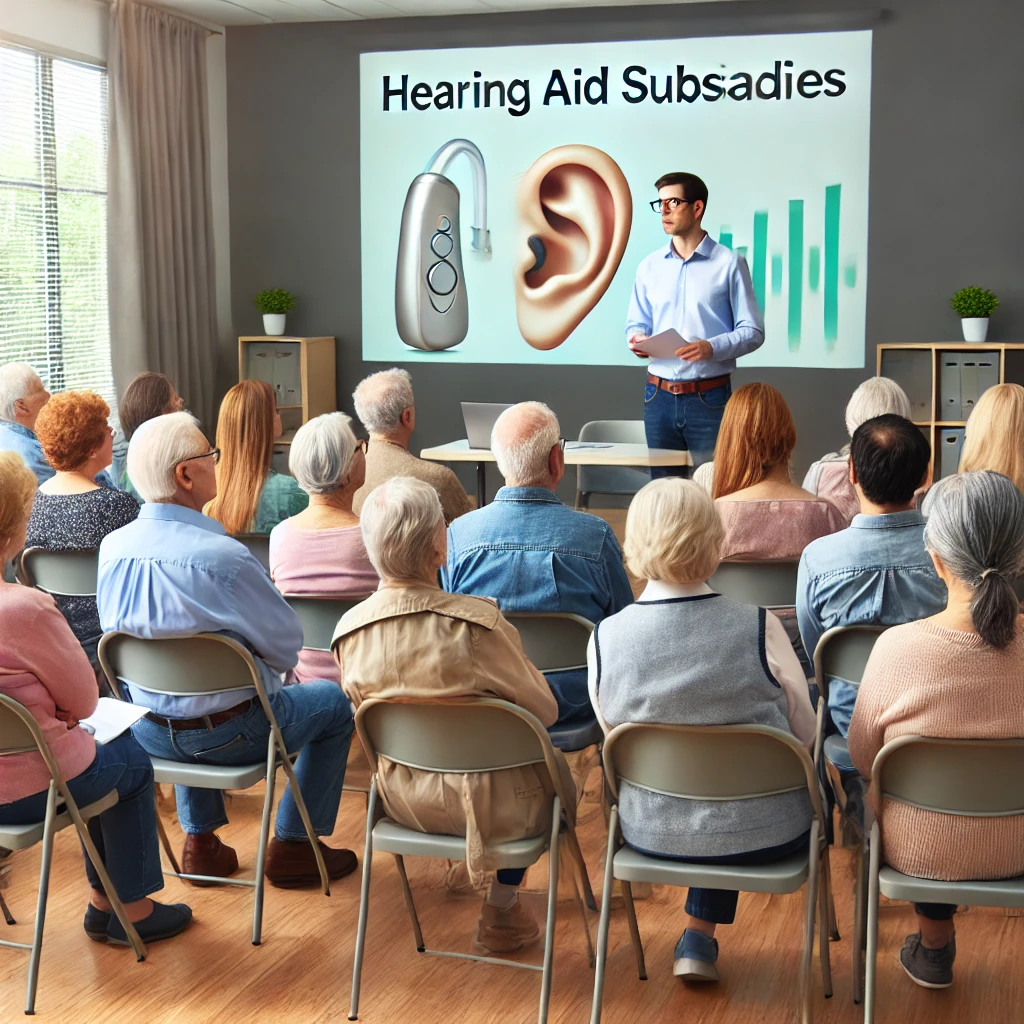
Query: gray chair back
(258,545)
(973,778)
(19,731)
(767,584)
(319,616)
(62,573)
(553,641)
(611,479)
(842,653)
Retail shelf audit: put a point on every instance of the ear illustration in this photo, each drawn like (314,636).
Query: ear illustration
(574,215)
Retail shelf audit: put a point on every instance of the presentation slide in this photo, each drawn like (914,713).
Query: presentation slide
(505,192)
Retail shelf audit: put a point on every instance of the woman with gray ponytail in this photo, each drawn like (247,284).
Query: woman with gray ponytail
(948,676)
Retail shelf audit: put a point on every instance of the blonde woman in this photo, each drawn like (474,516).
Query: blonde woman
(684,655)
(995,434)
(251,497)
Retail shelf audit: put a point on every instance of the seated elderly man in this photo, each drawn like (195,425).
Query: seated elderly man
(22,396)
(531,553)
(173,572)
(876,571)
(384,405)
(446,647)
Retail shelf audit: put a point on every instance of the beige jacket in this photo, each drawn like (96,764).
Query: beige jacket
(421,643)
(385,460)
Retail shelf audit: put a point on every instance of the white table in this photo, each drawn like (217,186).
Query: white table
(607,455)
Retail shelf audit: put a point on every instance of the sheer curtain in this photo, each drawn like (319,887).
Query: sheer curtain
(159,211)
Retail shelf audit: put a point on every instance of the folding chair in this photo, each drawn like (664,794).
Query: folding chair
(198,666)
(258,545)
(725,762)
(20,734)
(967,778)
(767,584)
(476,736)
(59,573)
(626,480)
(842,653)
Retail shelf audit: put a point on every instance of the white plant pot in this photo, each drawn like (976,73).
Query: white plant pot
(975,327)
(273,323)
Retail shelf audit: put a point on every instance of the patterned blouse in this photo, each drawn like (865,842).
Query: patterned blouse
(280,499)
(77,522)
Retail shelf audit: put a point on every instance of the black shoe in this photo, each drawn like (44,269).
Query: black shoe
(165,921)
(929,968)
(96,923)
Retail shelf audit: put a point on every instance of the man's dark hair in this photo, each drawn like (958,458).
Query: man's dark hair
(693,187)
(890,457)
(145,398)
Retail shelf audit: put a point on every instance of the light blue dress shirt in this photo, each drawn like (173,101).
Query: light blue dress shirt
(709,296)
(174,572)
(16,438)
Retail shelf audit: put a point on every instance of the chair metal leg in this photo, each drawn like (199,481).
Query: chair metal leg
(634,928)
(833,921)
(364,903)
(261,850)
(8,916)
(573,847)
(860,911)
(409,904)
(606,913)
(583,918)
(806,1010)
(300,803)
(44,887)
(871,954)
(824,919)
(166,843)
(549,930)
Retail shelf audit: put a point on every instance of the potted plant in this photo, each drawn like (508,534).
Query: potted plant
(974,305)
(274,303)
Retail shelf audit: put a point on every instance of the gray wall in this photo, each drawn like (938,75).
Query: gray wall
(946,203)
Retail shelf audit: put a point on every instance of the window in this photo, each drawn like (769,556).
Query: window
(53,220)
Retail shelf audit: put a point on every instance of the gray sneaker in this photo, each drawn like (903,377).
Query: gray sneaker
(695,957)
(929,968)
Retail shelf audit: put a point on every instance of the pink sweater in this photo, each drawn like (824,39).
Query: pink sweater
(43,667)
(925,680)
(331,562)
(758,531)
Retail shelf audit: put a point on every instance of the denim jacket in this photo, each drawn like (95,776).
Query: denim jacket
(874,572)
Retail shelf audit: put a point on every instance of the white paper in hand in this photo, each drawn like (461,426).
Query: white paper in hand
(111,718)
(664,345)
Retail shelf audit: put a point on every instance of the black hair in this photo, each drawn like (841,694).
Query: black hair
(890,457)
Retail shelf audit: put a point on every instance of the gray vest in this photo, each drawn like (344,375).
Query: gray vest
(695,661)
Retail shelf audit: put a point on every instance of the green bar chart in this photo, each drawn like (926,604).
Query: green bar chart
(796,270)
(833,195)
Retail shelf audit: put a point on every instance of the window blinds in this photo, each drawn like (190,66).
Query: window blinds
(53,220)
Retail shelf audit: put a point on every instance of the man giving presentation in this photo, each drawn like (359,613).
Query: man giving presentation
(703,291)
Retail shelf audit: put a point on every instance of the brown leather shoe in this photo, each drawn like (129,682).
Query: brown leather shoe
(205,854)
(505,931)
(293,865)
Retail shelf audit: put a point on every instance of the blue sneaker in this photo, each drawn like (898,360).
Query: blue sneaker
(695,957)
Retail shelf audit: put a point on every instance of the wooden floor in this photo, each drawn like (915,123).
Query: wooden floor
(302,971)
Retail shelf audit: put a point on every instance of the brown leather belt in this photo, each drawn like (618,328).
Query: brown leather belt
(687,387)
(207,721)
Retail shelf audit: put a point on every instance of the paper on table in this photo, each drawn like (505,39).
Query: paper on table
(111,718)
(664,345)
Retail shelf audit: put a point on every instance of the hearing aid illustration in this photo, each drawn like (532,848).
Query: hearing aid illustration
(431,303)
(574,212)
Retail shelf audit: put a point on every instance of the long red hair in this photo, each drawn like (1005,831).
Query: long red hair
(757,434)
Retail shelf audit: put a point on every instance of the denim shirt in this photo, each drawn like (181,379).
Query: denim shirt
(16,438)
(875,572)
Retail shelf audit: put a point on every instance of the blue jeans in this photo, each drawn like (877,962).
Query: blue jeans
(573,697)
(684,422)
(125,834)
(315,718)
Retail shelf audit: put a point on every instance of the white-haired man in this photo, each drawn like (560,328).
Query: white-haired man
(173,572)
(385,407)
(22,396)
(531,553)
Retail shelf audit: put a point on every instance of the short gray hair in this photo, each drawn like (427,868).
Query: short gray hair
(976,526)
(321,453)
(521,440)
(877,396)
(15,382)
(399,520)
(381,398)
(157,447)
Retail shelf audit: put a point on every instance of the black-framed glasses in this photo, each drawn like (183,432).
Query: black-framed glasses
(213,452)
(362,445)
(561,443)
(666,205)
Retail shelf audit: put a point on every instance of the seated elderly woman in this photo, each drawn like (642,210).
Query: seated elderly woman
(320,550)
(685,655)
(994,437)
(956,674)
(829,477)
(148,395)
(251,497)
(43,667)
(446,646)
(71,511)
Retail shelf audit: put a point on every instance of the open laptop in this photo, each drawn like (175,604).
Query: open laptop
(480,418)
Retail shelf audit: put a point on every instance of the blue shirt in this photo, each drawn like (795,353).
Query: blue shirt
(875,572)
(174,572)
(709,296)
(16,438)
